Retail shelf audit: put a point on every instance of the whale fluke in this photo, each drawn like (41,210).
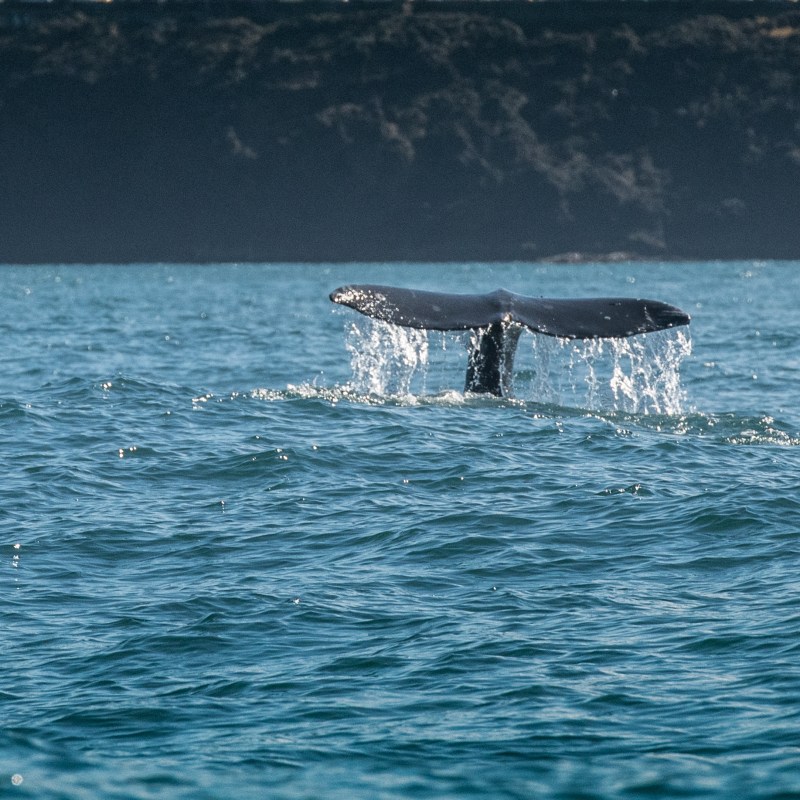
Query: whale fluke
(498,317)
(587,318)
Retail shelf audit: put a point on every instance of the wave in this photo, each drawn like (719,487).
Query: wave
(630,386)
(731,427)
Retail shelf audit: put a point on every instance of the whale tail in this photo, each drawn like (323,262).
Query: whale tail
(498,318)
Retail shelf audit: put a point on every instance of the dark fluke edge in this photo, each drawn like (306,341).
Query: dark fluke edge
(498,318)
(585,318)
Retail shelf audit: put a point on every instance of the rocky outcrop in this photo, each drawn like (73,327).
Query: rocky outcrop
(319,131)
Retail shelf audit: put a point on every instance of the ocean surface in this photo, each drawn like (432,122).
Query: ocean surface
(255,545)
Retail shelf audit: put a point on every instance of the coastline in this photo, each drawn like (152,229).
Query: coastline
(399,132)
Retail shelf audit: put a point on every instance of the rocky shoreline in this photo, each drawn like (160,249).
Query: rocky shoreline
(319,131)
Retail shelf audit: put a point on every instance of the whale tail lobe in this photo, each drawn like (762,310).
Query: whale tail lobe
(498,318)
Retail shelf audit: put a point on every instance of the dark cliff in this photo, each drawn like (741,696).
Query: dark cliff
(316,131)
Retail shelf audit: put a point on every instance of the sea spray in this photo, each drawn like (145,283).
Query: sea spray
(646,372)
(385,358)
(637,375)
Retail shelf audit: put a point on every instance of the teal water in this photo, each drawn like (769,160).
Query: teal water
(254,546)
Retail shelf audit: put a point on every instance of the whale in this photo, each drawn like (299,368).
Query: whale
(498,318)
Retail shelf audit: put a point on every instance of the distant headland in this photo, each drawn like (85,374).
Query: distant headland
(415,130)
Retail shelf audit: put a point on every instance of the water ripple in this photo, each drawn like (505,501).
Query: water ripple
(325,588)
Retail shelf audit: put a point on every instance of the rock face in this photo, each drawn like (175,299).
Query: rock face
(436,131)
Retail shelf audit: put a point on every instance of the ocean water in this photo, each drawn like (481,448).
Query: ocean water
(256,546)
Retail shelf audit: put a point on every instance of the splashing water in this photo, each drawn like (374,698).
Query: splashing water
(652,383)
(385,358)
(637,375)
